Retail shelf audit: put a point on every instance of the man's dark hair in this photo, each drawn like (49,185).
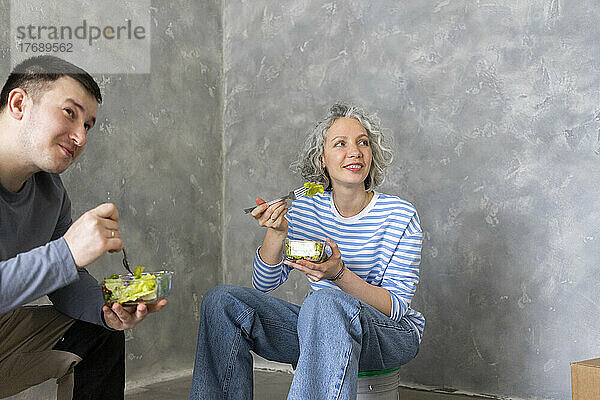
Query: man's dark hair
(34,73)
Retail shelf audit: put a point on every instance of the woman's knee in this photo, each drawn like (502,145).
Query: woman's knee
(219,294)
(331,301)
(222,297)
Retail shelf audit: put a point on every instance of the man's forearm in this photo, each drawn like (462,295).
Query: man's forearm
(81,300)
(34,274)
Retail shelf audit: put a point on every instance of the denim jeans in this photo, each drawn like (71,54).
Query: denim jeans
(330,338)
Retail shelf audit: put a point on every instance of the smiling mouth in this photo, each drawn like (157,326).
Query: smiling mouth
(68,151)
(353,167)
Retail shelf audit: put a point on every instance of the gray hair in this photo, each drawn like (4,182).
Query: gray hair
(309,162)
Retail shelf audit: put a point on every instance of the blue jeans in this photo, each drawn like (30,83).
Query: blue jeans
(330,338)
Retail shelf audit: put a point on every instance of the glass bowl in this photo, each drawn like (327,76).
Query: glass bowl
(310,250)
(128,290)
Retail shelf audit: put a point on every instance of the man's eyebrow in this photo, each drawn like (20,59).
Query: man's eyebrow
(76,103)
(93,119)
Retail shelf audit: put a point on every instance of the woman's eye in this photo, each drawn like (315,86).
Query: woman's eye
(338,144)
(364,143)
(69,112)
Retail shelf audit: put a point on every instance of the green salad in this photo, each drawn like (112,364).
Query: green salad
(119,289)
(313,188)
(304,250)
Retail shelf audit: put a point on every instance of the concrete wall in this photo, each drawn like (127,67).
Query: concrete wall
(494,109)
(156,153)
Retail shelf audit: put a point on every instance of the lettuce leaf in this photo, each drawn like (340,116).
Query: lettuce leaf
(313,188)
(139,287)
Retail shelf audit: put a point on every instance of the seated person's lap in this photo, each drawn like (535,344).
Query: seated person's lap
(27,335)
(40,343)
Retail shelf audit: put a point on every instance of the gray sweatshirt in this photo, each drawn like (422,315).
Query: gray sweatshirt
(34,258)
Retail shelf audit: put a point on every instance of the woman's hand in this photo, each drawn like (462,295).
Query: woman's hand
(325,270)
(271,216)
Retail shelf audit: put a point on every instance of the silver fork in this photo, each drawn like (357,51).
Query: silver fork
(125,262)
(293,195)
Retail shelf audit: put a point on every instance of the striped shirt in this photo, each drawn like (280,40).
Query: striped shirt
(381,244)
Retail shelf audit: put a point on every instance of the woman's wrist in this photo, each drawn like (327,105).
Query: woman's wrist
(277,233)
(270,251)
(268,260)
(340,272)
(280,231)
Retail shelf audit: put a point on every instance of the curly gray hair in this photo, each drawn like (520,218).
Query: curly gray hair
(309,162)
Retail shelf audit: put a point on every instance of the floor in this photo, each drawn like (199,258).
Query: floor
(268,385)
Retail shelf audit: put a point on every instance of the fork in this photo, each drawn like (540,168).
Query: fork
(293,195)
(125,262)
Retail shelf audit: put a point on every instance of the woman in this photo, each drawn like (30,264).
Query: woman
(358,316)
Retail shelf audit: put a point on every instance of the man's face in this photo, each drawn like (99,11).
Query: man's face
(56,125)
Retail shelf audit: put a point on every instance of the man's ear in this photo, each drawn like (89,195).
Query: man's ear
(16,103)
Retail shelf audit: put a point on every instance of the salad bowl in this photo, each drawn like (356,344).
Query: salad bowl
(140,287)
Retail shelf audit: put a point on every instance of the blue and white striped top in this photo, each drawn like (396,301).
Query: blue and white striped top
(381,244)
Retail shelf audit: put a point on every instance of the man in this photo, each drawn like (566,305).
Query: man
(47,107)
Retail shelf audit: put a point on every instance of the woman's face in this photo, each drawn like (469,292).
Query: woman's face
(347,156)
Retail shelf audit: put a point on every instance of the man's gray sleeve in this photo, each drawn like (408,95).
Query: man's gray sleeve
(50,270)
(81,299)
(36,273)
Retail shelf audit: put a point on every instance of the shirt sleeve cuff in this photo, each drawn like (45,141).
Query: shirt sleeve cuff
(68,274)
(264,264)
(398,307)
(267,277)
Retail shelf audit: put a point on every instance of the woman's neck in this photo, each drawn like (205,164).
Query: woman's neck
(350,201)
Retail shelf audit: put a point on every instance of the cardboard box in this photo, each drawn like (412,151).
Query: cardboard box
(585,379)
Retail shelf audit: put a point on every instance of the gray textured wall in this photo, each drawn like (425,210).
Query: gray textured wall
(156,153)
(494,110)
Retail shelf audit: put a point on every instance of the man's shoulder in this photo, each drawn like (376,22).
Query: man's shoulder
(50,190)
(48,181)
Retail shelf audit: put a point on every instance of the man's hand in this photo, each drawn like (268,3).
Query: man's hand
(93,234)
(121,318)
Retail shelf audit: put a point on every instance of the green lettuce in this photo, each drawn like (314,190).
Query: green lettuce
(118,290)
(313,188)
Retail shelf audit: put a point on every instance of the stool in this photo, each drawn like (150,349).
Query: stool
(379,385)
